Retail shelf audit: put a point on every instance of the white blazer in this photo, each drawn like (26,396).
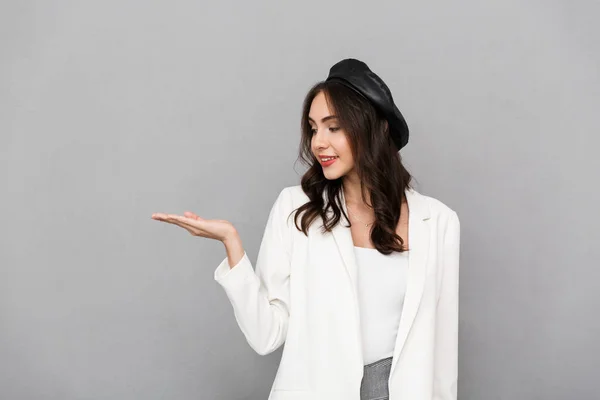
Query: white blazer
(303,291)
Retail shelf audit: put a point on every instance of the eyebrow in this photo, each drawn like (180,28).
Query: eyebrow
(325,119)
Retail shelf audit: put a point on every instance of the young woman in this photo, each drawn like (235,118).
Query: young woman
(367,307)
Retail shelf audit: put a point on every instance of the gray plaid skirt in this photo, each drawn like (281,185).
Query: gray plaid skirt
(374,385)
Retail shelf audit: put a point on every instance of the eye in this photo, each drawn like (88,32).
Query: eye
(313,130)
(334,128)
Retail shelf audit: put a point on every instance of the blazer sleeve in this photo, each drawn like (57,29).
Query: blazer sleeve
(260,297)
(446,334)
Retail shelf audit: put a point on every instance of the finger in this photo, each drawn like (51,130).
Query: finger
(182,221)
(175,217)
(176,220)
(185,222)
(165,217)
(192,215)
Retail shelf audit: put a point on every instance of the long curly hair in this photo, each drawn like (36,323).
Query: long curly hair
(377,162)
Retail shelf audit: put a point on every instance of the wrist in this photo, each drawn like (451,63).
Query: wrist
(231,237)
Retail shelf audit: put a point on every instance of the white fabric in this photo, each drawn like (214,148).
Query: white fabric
(302,292)
(381,289)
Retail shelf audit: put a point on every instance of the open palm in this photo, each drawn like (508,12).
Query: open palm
(217,229)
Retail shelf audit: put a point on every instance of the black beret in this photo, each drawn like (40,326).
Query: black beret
(356,75)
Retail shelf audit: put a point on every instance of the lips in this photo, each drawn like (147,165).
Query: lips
(328,163)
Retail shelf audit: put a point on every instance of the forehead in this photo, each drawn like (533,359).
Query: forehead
(319,108)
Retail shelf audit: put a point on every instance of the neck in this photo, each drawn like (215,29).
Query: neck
(352,191)
(352,196)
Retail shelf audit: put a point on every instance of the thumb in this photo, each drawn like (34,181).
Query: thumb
(190,214)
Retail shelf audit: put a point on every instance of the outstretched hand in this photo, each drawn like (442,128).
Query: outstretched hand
(217,229)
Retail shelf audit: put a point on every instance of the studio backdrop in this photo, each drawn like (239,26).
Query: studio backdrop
(113,110)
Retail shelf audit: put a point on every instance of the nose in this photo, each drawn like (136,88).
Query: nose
(319,139)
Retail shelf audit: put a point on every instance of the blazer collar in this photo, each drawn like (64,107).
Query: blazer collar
(418,243)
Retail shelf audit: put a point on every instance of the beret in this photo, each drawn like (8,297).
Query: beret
(356,75)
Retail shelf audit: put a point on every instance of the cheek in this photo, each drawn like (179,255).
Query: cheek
(348,160)
(344,150)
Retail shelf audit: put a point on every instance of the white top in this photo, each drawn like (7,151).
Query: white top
(381,290)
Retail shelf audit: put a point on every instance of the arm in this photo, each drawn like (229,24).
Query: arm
(260,296)
(446,335)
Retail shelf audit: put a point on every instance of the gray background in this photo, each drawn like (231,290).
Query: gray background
(113,110)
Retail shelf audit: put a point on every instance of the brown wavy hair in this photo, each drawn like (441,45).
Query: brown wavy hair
(377,162)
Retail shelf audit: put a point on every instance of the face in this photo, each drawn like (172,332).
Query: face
(328,139)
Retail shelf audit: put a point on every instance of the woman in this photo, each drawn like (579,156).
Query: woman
(367,310)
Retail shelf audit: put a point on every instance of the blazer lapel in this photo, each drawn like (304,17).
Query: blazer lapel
(343,239)
(418,242)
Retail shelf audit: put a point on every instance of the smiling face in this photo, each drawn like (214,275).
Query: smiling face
(329,139)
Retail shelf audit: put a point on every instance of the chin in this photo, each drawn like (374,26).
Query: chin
(333,175)
(330,177)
